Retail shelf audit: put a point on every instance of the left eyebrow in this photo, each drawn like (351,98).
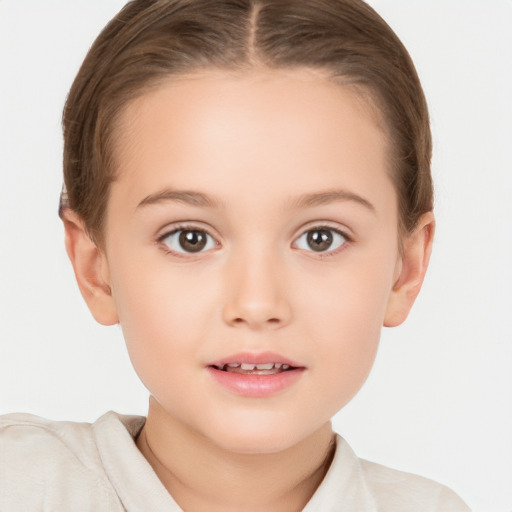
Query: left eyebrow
(331,196)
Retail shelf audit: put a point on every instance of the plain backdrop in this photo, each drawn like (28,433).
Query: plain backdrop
(439,400)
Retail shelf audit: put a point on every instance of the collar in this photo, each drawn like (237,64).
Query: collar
(343,488)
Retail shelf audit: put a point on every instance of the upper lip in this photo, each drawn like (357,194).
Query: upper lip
(255,358)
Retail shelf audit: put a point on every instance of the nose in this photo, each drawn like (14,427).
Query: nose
(256,293)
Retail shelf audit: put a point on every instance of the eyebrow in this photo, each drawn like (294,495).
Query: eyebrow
(201,200)
(331,196)
(182,196)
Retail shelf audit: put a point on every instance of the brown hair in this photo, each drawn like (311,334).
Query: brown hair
(150,40)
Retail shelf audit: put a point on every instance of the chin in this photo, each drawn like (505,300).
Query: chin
(261,445)
(257,437)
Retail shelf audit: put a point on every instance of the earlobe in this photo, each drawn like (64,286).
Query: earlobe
(411,270)
(91,269)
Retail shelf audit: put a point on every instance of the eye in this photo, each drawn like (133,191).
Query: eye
(188,241)
(321,240)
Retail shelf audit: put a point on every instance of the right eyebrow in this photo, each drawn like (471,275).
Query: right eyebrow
(189,197)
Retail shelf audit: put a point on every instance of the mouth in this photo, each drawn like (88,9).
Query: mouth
(254,369)
(256,375)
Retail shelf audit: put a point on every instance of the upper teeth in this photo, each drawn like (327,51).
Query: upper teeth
(262,366)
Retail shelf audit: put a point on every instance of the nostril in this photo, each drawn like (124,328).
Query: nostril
(271,321)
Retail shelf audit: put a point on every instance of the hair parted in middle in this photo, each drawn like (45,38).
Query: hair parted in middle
(151,41)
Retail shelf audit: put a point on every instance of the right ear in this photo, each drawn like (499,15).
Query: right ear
(91,269)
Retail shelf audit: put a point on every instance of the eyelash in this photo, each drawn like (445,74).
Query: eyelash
(189,228)
(330,252)
(183,228)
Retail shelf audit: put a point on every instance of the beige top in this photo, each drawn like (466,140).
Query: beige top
(78,467)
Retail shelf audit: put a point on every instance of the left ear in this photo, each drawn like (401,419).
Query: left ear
(411,269)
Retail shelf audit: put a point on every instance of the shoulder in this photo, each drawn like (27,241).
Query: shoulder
(400,491)
(51,462)
(26,438)
(352,484)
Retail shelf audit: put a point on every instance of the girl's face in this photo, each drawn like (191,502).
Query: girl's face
(253,222)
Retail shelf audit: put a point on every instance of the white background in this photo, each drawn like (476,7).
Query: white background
(439,401)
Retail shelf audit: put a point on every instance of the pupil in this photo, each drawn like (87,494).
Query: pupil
(192,241)
(320,240)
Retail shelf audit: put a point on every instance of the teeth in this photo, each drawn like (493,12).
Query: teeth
(262,366)
(266,366)
(255,367)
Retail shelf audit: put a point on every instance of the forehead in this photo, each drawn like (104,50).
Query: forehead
(219,130)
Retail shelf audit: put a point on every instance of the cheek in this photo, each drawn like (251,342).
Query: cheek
(346,310)
(164,315)
(152,295)
(350,298)
(346,347)
(347,342)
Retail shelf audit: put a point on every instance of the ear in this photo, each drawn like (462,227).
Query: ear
(411,269)
(91,269)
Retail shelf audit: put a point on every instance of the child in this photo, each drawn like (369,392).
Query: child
(248,194)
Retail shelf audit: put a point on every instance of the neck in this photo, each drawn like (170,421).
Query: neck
(203,476)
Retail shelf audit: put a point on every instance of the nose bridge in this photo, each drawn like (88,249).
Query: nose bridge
(256,288)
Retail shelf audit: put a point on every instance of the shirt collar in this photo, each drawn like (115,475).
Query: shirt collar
(343,488)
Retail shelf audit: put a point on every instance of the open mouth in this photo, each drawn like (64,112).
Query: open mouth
(254,369)
(256,375)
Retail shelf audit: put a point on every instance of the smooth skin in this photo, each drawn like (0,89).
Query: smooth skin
(256,165)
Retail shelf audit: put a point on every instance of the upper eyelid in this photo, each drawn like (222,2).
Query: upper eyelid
(342,230)
(199,226)
(347,237)
(184,226)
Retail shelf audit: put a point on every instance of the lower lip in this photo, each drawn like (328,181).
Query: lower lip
(256,386)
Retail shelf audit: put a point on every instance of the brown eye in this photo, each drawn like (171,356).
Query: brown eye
(193,241)
(321,240)
(188,241)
